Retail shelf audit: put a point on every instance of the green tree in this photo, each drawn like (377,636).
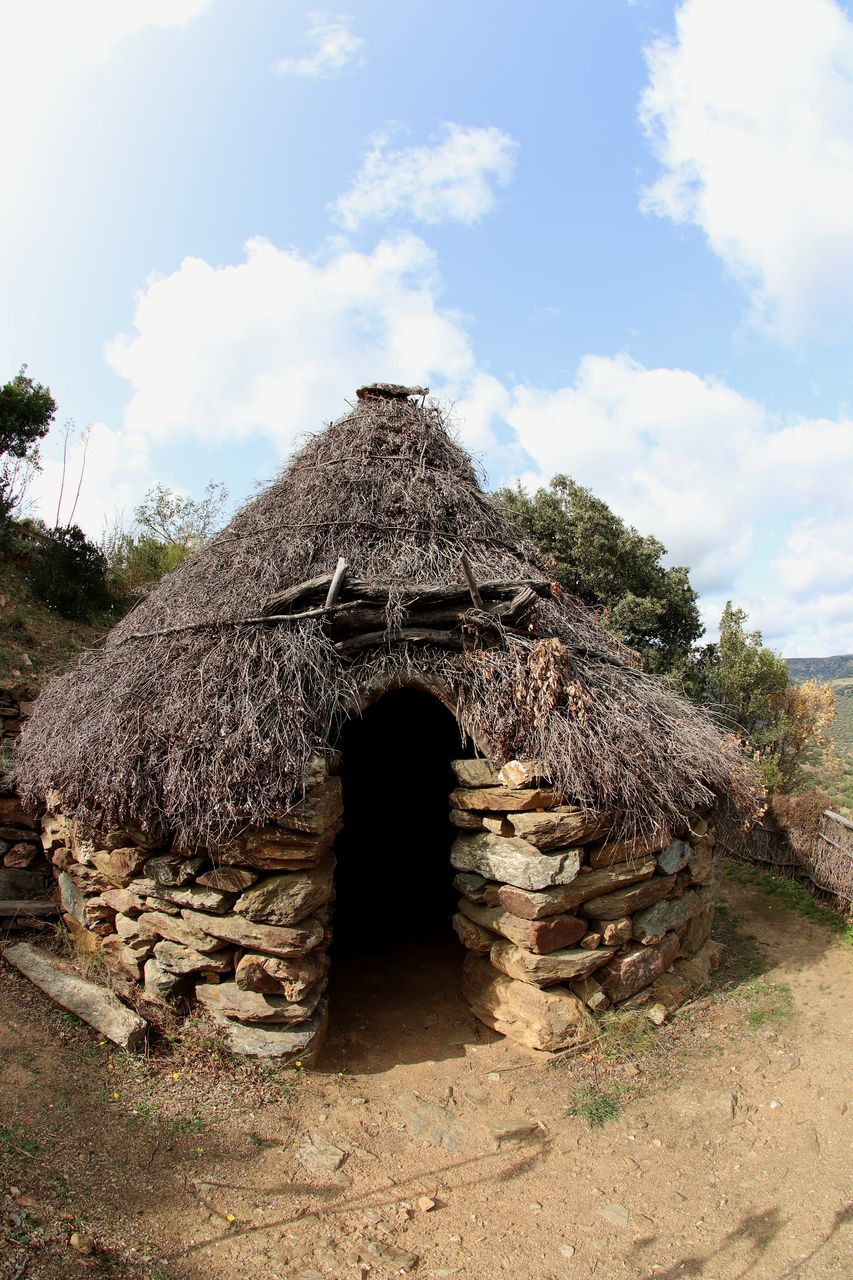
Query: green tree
(785,724)
(167,528)
(614,569)
(27,410)
(180,521)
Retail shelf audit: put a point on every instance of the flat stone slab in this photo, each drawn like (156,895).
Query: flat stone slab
(557,828)
(513,861)
(431,1122)
(229,1000)
(506,799)
(472,935)
(175,958)
(475,773)
(96,1005)
(651,925)
(301,1043)
(541,936)
(274,849)
(566,897)
(293,979)
(546,971)
(632,970)
(179,930)
(637,850)
(272,940)
(286,899)
(624,902)
(540,1019)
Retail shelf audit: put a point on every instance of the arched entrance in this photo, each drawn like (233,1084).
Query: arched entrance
(394,949)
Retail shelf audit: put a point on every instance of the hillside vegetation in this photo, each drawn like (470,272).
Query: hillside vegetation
(837,671)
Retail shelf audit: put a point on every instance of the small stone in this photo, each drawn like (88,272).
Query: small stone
(293,979)
(228,879)
(567,1250)
(22,855)
(615,1213)
(119,865)
(319,1156)
(388,1255)
(673,857)
(474,773)
(590,941)
(160,984)
(80,1242)
(172,870)
(425,1203)
(432,1123)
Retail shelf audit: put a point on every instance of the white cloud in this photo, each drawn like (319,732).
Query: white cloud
(450,179)
(750,112)
(45,40)
(271,346)
(817,556)
(332,47)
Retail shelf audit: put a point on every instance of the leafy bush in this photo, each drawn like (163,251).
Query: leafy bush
(68,572)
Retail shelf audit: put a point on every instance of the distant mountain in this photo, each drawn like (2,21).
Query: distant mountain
(820,669)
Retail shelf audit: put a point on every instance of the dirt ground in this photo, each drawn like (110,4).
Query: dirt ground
(426,1145)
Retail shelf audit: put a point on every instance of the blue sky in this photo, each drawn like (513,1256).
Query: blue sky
(617,236)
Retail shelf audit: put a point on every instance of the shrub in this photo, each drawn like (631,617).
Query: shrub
(68,572)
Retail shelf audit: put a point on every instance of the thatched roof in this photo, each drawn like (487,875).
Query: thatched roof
(192,721)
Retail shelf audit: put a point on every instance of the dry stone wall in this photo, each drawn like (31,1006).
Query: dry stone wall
(243,930)
(24,871)
(560,921)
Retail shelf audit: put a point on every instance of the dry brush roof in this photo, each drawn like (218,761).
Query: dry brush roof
(207,724)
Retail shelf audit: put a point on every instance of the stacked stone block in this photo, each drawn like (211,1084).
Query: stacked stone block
(242,930)
(561,920)
(23,870)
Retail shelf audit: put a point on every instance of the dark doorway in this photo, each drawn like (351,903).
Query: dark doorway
(393,880)
(396,962)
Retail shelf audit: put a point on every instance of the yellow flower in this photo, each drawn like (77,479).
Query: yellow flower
(115,1095)
(297,1064)
(229,1217)
(176,1075)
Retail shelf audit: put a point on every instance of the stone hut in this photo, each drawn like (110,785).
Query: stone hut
(370,643)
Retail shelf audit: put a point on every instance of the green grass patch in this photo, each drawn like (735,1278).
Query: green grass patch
(192,1123)
(14,1141)
(625,1036)
(597,1104)
(766,1003)
(794,896)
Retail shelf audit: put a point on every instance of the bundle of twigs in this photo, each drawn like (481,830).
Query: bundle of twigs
(208,700)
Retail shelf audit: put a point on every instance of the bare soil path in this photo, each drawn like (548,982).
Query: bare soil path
(426,1145)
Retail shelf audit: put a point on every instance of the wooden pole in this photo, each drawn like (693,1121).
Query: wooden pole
(336,583)
(471,580)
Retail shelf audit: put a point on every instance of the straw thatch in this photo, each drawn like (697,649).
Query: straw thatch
(193,722)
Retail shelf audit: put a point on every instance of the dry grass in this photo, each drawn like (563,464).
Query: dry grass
(198,732)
